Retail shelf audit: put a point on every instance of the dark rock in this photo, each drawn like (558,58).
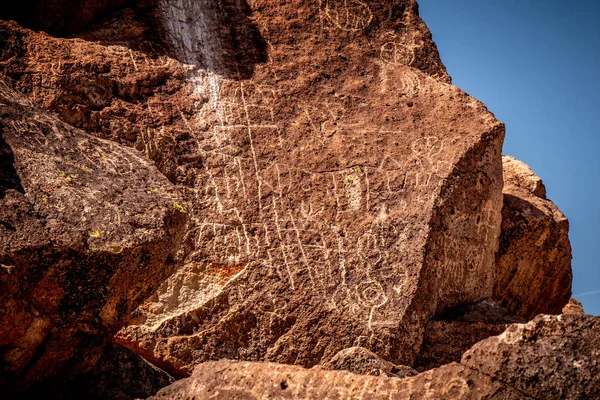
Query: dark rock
(119,374)
(60,17)
(449,335)
(88,229)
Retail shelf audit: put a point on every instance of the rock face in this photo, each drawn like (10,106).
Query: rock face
(342,199)
(87,230)
(361,361)
(317,191)
(234,380)
(449,335)
(548,358)
(551,357)
(533,267)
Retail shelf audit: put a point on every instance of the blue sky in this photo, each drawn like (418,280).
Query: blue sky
(535,64)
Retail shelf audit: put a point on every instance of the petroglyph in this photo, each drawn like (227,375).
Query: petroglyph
(338,236)
(395,52)
(405,82)
(347,15)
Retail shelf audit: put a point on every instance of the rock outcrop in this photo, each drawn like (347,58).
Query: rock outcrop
(87,230)
(361,361)
(548,358)
(312,185)
(533,267)
(342,199)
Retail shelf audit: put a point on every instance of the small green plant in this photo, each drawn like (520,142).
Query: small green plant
(95,234)
(116,249)
(359,170)
(179,208)
(152,190)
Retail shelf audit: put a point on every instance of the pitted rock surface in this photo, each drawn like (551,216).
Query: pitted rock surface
(234,380)
(87,230)
(342,191)
(342,199)
(533,267)
(552,357)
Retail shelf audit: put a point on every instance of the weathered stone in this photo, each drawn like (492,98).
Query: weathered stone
(343,192)
(234,380)
(109,90)
(343,198)
(573,307)
(533,267)
(361,361)
(551,357)
(449,335)
(517,173)
(87,230)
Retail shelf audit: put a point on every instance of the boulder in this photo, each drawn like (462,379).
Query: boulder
(361,361)
(552,357)
(343,199)
(342,191)
(87,231)
(533,267)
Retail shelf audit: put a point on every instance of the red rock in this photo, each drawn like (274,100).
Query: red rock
(573,307)
(548,358)
(533,267)
(346,197)
(87,230)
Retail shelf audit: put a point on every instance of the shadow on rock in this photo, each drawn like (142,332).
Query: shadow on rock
(216,35)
